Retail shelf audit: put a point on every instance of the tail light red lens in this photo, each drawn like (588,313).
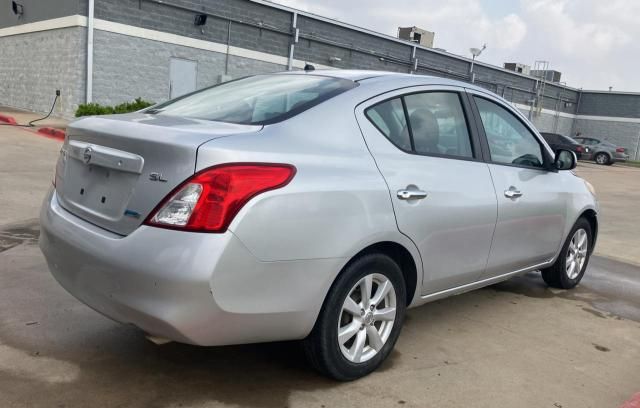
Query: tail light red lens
(620,149)
(210,199)
(579,149)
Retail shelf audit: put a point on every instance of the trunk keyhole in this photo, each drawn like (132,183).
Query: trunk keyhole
(103,199)
(82,191)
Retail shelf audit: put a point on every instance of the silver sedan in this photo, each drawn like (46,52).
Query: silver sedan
(310,205)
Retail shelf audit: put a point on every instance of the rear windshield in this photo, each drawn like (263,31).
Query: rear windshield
(256,100)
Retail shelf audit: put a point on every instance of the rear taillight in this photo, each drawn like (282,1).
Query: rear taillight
(208,201)
(579,149)
(620,149)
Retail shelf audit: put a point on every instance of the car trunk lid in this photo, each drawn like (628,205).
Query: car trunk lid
(114,170)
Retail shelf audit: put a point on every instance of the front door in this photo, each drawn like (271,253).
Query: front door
(182,77)
(441,191)
(532,201)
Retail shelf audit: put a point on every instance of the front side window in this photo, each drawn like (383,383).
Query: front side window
(433,123)
(510,142)
(256,100)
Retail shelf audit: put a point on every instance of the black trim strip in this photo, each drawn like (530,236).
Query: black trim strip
(408,122)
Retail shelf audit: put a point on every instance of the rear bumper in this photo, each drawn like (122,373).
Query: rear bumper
(621,157)
(204,289)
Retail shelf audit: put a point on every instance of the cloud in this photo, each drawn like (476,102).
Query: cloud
(590,41)
(555,24)
(459,24)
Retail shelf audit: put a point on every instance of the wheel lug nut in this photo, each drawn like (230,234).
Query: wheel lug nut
(372,307)
(361,312)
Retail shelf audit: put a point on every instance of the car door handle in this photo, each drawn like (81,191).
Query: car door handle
(411,194)
(512,192)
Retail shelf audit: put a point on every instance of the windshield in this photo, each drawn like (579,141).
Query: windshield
(256,100)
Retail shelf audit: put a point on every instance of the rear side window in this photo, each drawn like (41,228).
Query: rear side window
(256,100)
(438,124)
(389,118)
(429,123)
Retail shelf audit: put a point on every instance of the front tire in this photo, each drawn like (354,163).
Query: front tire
(360,319)
(572,262)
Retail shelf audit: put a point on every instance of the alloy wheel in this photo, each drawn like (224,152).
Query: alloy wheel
(366,318)
(576,253)
(601,158)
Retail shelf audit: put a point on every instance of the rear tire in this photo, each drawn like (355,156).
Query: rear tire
(572,262)
(343,343)
(602,158)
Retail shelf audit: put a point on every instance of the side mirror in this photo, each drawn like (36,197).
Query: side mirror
(565,160)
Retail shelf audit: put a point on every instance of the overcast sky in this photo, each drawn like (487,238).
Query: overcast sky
(594,43)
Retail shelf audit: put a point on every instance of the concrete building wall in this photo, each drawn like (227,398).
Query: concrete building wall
(253,26)
(565,126)
(625,134)
(268,29)
(128,67)
(39,10)
(625,105)
(553,124)
(549,122)
(34,65)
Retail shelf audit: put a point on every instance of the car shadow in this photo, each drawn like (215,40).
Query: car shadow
(119,367)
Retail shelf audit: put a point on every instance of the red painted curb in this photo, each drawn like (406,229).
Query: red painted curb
(52,132)
(8,119)
(634,402)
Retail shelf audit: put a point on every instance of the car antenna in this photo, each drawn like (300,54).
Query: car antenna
(309,67)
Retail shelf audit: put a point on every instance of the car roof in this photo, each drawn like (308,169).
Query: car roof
(362,75)
(352,74)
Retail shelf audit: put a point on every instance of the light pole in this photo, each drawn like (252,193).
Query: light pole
(475,52)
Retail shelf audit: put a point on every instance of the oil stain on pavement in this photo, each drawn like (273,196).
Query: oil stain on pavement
(13,236)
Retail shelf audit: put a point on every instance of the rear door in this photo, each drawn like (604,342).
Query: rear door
(532,201)
(440,188)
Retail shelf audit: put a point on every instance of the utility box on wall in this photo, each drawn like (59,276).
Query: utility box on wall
(518,67)
(549,75)
(417,35)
